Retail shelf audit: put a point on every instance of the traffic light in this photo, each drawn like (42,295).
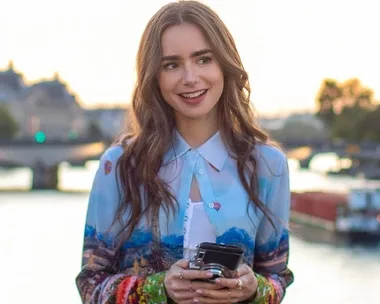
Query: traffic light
(72,135)
(40,137)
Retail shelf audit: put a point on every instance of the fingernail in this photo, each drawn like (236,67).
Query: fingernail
(195,300)
(217,281)
(209,274)
(199,291)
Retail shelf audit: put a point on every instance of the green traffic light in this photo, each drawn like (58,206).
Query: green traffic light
(72,135)
(40,137)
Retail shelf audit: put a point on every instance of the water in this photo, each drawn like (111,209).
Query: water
(41,242)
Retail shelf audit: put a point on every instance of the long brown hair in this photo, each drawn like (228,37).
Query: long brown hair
(153,124)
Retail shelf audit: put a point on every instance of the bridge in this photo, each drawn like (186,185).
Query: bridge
(44,159)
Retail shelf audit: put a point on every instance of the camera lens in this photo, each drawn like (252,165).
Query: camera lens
(218,271)
(214,277)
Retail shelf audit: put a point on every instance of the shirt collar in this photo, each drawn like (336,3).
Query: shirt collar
(213,150)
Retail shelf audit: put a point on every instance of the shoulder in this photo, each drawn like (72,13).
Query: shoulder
(116,150)
(105,195)
(108,162)
(112,154)
(110,157)
(271,160)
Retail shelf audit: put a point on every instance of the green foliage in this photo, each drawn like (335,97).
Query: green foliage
(298,130)
(329,92)
(349,110)
(8,125)
(371,125)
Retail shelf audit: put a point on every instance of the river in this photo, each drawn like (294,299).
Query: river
(41,242)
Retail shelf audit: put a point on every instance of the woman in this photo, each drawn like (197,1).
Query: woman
(195,168)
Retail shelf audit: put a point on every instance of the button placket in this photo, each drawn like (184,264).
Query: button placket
(211,204)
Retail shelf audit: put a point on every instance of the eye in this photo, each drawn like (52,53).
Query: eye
(205,59)
(171,66)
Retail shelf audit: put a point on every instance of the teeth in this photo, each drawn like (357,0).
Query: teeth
(192,95)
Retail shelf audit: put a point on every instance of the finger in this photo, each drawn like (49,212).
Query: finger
(203,285)
(194,274)
(184,263)
(242,270)
(216,294)
(230,283)
(204,300)
(179,296)
(186,285)
(219,296)
(181,285)
(189,301)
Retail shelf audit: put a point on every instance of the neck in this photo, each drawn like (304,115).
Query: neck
(197,132)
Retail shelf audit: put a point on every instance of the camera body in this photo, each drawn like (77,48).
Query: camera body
(222,260)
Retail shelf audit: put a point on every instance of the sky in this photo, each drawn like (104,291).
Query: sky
(287,47)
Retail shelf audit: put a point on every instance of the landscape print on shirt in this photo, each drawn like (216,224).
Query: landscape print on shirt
(138,251)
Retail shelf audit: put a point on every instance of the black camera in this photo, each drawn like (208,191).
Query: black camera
(222,260)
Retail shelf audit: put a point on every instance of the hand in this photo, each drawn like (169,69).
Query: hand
(231,293)
(179,285)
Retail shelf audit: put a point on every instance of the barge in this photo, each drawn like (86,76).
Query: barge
(354,215)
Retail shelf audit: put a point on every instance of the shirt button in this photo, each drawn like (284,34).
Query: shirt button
(201,171)
(211,205)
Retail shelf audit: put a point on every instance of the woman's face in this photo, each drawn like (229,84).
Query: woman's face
(190,79)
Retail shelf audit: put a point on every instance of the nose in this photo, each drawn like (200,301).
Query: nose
(190,76)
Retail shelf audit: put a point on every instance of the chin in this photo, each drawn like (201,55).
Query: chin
(194,114)
(198,112)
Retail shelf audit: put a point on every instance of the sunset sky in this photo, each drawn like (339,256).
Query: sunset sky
(288,47)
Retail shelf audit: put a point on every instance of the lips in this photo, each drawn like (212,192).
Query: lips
(193,94)
(193,98)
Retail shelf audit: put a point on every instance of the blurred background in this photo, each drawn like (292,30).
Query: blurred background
(66,75)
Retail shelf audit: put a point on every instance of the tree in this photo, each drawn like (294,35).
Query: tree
(354,93)
(349,124)
(349,110)
(328,95)
(371,124)
(333,97)
(8,125)
(298,130)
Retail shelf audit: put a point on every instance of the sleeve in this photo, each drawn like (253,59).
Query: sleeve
(100,279)
(272,245)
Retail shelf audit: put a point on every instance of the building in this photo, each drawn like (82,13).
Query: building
(111,122)
(12,91)
(50,108)
(46,106)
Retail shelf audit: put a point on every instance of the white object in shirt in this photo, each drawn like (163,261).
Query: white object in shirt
(197,228)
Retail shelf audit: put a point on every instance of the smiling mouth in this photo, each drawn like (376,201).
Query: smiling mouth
(193,94)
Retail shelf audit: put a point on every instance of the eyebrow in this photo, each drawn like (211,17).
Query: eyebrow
(192,55)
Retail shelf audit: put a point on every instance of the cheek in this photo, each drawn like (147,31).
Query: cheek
(161,83)
(166,84)
(167,90)
(217,77)
(218,83)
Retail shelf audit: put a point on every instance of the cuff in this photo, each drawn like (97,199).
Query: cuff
(264,293)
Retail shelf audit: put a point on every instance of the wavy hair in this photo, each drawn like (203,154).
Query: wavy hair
(153,122)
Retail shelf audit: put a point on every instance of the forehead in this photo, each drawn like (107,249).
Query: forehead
(182,40)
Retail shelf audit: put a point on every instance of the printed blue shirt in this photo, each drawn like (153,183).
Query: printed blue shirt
(140,266)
